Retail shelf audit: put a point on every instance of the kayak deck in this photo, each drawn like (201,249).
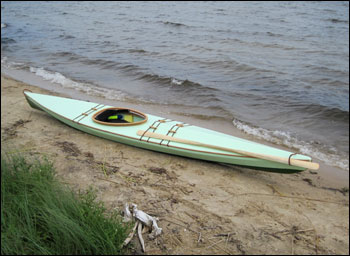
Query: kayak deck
(82,115)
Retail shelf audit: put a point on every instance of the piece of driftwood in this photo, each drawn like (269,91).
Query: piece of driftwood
(144,222)
(131,235)
(139,232)
(127,213)
(147,220)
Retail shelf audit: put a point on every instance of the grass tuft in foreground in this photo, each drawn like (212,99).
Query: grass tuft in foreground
(39,215)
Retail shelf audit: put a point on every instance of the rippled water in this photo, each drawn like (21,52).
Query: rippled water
(276,70)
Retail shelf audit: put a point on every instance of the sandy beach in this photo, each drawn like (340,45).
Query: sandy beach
(203,207)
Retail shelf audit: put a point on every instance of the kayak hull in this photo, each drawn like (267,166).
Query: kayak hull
(78,114)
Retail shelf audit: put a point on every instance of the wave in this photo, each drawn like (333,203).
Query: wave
(58,78)
(136,51)
(327,154)
(4,60)
(255,44)
(175,24)
(338,21)
(273,34)
(191,93)
(329,70)
(65,54)
(64,36)
(12,65)
(3,25)
(143,52)
(317,112)
(100,63)
(175,83)
(7,40)
(230,65)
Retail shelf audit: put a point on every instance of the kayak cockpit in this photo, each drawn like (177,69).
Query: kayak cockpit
(119,117)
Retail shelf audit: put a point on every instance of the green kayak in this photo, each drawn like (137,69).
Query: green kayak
(151,132)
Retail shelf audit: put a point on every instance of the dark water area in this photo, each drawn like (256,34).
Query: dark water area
(278,71)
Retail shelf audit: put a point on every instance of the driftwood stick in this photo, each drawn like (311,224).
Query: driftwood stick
(131,235)
(139,232)
(200,237)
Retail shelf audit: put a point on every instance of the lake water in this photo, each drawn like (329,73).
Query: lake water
(278,71)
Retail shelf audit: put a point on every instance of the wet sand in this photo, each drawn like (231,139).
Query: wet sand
(203,207)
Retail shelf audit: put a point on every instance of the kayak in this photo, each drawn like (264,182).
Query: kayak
(135,128)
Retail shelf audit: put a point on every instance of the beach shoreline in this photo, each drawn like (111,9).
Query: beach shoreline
(203,207)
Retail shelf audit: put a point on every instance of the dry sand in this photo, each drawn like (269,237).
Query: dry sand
(204,208)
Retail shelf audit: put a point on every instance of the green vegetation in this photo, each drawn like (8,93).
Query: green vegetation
(39,215)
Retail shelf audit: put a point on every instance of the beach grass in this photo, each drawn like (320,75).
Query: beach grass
(40,215)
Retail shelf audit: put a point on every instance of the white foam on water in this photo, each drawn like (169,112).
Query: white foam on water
(327,154)
(3,60)
(12,65)
(58,78)
(176,82)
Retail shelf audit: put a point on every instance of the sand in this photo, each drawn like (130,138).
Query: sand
(203,207)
